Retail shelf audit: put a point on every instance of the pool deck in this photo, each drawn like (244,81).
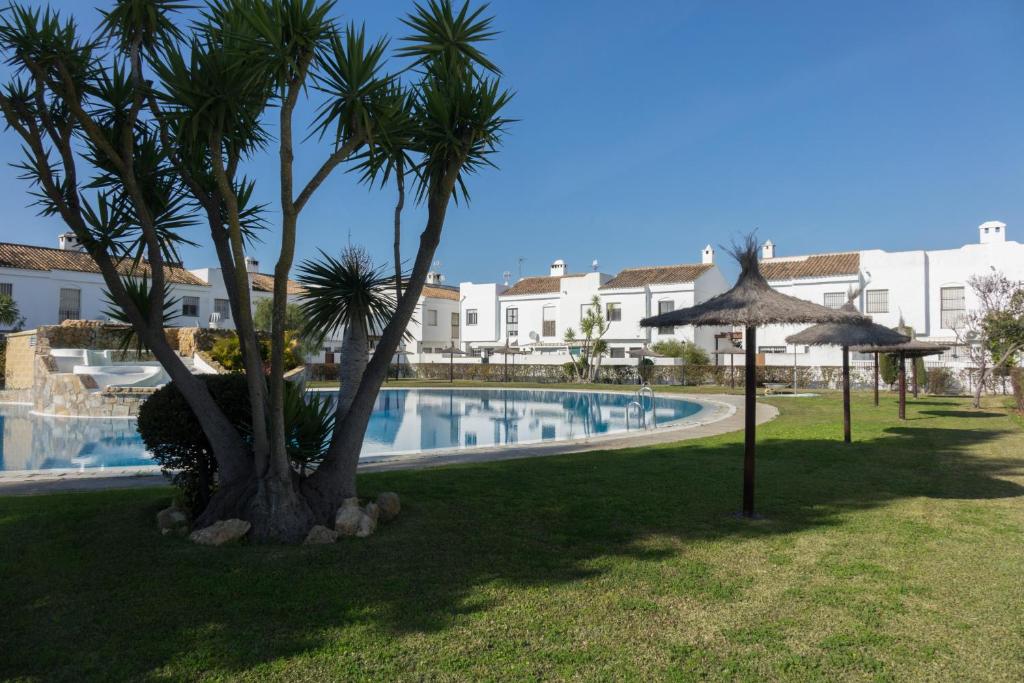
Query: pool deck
(726,415)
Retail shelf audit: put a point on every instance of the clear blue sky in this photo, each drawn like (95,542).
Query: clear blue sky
(649,129)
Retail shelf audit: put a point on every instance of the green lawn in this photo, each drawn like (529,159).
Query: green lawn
(899,557)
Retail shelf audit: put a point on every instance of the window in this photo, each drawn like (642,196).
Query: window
(952,307)
(613,312)
(618,352)
(666,307)
(222,307)
(455,325)
(6,289)
(70,305)
(431,317)
(471,316)
(878,300)
(548,327)
(190,306)
(512,322)
(834,299)
(771,349)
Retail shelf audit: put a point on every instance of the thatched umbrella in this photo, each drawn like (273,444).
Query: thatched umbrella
(751,303)
(910,349)
(640,354)
(452,351)
(847,334)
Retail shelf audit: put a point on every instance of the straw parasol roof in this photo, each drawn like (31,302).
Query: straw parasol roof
(453,351)
(911,349)
(847,333)
(751,302)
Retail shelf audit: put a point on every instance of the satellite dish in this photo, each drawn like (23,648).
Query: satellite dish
(594,265)
(534,337)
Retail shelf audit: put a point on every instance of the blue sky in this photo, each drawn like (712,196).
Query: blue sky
(650,129)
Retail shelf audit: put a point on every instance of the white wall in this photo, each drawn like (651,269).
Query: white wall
(483,298)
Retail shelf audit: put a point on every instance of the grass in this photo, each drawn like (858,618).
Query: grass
(898,557)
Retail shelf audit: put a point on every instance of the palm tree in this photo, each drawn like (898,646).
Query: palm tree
(9,313)
(346,293)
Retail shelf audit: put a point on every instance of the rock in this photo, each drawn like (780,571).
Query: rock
(222,532)
(390,505)
(320,535)
(172,521)
(368,523)
(346,521)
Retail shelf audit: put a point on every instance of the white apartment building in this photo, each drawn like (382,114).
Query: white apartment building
(928,289)
(535,312)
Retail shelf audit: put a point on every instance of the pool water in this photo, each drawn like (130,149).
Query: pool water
(403,421)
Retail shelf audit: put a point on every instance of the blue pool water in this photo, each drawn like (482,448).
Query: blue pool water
(403,421)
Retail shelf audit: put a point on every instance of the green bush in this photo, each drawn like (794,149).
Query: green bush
(889,367)
(227,351)
(688,351)
(172,434)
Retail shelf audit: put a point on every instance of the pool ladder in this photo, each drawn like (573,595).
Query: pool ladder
(637,405)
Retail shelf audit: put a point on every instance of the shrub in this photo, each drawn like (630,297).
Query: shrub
(888,367)
(172,434)
(688,351)
(939,382)
(228,353)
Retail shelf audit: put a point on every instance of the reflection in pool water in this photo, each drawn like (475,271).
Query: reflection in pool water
(403,421)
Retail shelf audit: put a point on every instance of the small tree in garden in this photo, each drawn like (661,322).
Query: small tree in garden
(139,133)
(587,363)
(10,315)
(992,333)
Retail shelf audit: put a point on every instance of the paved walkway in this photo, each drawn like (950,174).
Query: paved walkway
(724,413)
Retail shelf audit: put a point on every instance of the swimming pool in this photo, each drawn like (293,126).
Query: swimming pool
(404,421)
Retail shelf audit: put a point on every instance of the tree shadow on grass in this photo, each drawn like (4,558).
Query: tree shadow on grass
(96,593)
(969,414)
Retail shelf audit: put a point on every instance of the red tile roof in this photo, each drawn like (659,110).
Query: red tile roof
(657,275)
(30,257)
(441,292)
(821,265)
(541,284)
(261,282)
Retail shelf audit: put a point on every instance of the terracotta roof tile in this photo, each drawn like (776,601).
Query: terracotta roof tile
(541,284)
(440,292)
(657,275)
(821,265)
(261,282)
(30,257)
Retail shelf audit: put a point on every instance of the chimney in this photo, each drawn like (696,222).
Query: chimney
(992,231)
(768,250)
(558,268)
(251,265)
(434,278)
(708,255)
(67,241)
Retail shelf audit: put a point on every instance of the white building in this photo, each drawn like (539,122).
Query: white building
(928,289)
(536,311)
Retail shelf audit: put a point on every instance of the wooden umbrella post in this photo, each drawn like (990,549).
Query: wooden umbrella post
(913,376)
(451,366)
(732,371)
(846,394)
(750,426)
(903,386)
(876,379)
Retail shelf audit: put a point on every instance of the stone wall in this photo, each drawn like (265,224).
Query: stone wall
(62,393)
(20,360)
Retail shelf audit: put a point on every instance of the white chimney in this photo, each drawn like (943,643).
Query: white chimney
(434,278)
(992,231)
(68,242)
(768,250)
(558,268)
(708,255)
(251,265)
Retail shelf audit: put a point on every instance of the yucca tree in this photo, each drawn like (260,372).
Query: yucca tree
(9,313)
(137,134)
(347,293)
